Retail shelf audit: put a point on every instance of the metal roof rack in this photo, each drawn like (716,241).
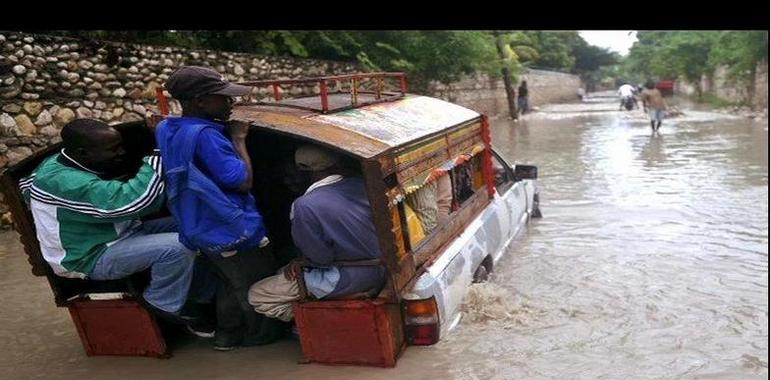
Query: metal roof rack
(378,93)
(355,90)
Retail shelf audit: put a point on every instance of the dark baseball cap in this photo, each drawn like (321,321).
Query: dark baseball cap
(187,82)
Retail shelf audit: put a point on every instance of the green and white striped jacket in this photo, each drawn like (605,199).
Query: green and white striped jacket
(78,215)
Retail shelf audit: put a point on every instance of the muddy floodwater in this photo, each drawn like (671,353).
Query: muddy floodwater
(650,263)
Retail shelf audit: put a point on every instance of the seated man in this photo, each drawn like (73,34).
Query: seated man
(88,224)
(332,221)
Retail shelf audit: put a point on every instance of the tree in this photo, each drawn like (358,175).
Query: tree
(523,46)
(741,52)
(505,53)
(554,49)
(687,53)
(692,55)
(673,54)
(589,60)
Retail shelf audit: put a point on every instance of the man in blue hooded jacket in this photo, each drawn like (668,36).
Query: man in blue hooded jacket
(220,154)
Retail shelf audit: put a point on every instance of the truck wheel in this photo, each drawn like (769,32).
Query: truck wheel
(536,207)
(481,274)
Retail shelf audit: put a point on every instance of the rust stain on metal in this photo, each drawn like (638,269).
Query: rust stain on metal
(326,134)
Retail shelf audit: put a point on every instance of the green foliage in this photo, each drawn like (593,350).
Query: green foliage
(692,54)
(523,45)
(443,56)
(554,49)
(740,52)
(589,58)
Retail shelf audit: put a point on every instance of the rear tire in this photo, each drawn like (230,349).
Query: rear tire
(481,274)
(536,206)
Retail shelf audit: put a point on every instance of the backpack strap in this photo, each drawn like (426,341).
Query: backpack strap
(189,141)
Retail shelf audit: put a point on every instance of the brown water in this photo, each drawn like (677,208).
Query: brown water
(650,263)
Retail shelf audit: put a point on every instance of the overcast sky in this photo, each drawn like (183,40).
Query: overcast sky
(616,40)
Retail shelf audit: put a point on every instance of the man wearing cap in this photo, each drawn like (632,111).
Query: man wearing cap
(220,154)
(331,222)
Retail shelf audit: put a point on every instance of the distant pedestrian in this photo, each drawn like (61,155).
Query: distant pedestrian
(653,103)
(523,99)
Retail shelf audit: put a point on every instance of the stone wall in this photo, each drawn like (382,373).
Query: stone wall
(486,95)
(47,81)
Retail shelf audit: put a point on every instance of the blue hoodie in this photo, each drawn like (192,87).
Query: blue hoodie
(215,156)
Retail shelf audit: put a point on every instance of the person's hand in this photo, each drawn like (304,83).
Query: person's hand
(293,271)
(237,129)
(153,120)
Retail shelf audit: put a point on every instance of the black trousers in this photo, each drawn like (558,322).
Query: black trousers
(238,272)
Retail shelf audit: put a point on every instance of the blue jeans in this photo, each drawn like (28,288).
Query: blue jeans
(156,245)
(523,104)
(655,114)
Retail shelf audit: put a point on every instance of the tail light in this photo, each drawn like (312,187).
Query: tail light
(422,322)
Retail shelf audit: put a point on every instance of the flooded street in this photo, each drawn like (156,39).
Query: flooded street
(650,262)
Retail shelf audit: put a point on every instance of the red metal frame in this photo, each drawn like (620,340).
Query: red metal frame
(367,332)
(117,327)
(324,96)
(162,101)
(666,87)
(665,84)
(355,80)
(486,136)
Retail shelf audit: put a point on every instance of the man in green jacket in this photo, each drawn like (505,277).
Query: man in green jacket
(89,225)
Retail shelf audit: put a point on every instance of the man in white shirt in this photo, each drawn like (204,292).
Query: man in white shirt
(626,91)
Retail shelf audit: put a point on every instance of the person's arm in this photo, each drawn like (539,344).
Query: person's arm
(25,186)
(238,131)
(112,199)
(221,160)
